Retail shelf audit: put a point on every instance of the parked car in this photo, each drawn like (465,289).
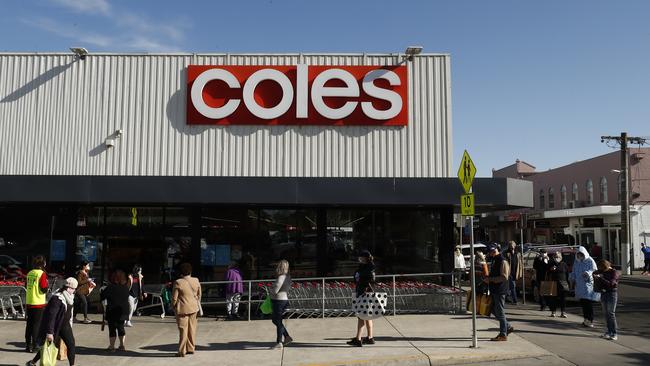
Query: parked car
(568,257)
(465,249)
(11,269)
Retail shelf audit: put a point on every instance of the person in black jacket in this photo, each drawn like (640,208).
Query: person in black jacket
(539,265)
(57,321)
(364,277)
(559,272)
(116,296)
(498,283)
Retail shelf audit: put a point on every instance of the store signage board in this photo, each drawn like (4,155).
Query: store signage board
(467,204)
(297,95)
(466,172)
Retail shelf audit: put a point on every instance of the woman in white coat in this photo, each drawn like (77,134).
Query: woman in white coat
(583,281)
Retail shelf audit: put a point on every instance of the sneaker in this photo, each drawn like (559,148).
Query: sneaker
(563,315)
(355,342)
(278,346)
(368,340)
(87,321)
(128,324)
(510,330)
(552,315)
(500,338)
(287,340)
(613,337)
(30,363)
(590,324)
(605,336)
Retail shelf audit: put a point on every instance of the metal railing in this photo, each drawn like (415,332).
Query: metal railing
(331,296)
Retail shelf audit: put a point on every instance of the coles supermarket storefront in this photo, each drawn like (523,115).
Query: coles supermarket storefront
(212,158)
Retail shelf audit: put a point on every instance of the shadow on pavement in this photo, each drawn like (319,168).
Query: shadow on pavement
(127,353)
(636,358)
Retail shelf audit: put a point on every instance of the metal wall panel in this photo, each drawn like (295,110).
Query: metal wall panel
(56,113)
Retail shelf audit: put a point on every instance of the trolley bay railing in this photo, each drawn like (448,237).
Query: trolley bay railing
(418,293)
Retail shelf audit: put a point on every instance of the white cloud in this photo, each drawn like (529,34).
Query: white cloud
(70,32)
(86,6)
(130,31)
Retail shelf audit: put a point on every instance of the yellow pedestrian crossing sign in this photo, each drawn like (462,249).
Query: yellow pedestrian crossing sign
(467,204)
(466,172)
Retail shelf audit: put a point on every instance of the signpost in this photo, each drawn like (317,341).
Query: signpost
(466,173)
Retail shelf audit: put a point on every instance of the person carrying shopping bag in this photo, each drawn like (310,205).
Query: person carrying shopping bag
(280,299)
(186,300)
(558,271)
(364,277)
(57,323)
(86,285)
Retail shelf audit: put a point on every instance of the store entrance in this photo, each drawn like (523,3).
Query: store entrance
(158,255)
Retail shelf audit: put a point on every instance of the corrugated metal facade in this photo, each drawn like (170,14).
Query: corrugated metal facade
(56,112)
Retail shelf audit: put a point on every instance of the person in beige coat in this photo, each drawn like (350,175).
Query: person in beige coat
(186,300)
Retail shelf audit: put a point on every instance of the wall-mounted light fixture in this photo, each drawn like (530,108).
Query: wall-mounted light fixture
(110,140)
(80,52)
(412,51)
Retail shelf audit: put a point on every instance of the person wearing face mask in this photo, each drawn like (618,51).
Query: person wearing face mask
(558,272)
(516,264)
(581,278)
(539,265)
(57,320)
(606,279)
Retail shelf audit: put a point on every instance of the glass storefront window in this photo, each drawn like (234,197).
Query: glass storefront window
(135,217)
(291,235)
(178,218)
(348,232)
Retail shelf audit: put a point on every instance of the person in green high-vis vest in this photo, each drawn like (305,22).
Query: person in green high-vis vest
(36,301)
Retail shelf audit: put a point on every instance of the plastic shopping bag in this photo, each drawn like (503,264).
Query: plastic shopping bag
(48,354)
(267,307)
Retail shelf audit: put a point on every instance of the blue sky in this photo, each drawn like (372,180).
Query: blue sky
(536,80)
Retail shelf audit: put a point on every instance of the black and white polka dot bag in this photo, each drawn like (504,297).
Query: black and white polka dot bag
(370,305)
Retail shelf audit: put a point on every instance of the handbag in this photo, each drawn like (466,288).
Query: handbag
(48,354)
(484,305)
(267,307)
(547,287)
(370,305)
(63,350)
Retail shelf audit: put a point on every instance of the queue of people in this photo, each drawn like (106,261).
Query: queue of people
(51,320)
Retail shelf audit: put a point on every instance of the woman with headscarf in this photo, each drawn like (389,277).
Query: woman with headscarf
(581,277)
(57,321)
(558,272)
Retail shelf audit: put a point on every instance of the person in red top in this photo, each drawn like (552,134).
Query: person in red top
(37,286)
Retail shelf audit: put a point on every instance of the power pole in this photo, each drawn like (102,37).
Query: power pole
(627,248)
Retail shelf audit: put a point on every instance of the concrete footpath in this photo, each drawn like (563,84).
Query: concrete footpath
(405,340)
(402,340)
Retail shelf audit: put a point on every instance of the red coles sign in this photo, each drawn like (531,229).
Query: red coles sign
(297,95)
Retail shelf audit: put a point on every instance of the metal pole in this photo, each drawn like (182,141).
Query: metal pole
(323,296)
(625,208)
(394,299)
(473,281)
(523,278)
(249,300)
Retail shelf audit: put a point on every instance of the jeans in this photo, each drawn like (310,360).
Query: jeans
(647,265)
(512,289)
(133,305)
(82,301)
(560,299)
(587,309)
(499,311)
(278,310)
(609,299)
